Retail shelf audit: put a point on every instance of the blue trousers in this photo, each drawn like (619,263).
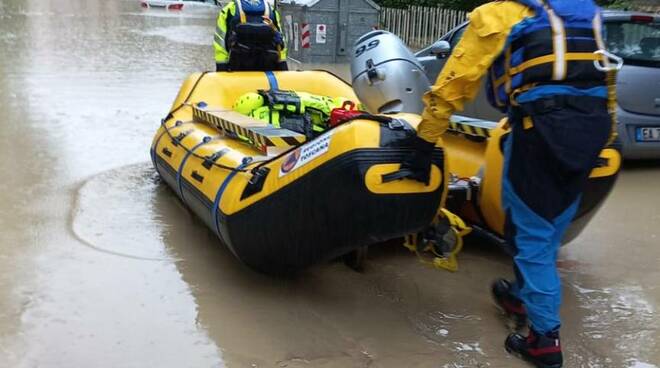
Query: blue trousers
(546,167)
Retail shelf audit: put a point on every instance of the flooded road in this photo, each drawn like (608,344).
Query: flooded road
(103,266)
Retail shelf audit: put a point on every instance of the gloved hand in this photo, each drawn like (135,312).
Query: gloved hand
(419,161)
(269,22)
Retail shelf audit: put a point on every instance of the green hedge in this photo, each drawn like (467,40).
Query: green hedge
(471,4)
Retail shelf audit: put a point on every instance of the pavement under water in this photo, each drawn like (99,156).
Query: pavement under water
(103,266)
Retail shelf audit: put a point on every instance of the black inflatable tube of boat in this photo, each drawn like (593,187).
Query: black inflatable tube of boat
(322,215)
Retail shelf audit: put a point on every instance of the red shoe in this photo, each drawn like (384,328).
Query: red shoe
(544,351)
(511,305)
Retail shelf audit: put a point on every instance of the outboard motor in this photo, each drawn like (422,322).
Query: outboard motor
(387,76)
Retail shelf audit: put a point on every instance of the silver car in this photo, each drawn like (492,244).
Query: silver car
(633,36)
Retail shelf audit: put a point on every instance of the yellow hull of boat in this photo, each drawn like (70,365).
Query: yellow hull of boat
(315,202)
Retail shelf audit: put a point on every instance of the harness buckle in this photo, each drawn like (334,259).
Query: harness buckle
(607,57)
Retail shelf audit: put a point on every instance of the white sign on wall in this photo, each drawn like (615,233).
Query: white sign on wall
(296,35)
(289,28)
(321,31)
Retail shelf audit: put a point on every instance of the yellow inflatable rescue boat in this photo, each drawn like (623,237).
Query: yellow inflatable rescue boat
(281,200)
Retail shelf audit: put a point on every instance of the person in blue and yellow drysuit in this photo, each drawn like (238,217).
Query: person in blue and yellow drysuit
(538,60)
(248,36)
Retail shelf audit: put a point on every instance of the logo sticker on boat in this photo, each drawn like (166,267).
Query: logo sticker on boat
(305,154)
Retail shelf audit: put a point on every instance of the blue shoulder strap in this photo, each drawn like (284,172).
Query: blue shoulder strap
(574,11)
(565,9)
(252,7)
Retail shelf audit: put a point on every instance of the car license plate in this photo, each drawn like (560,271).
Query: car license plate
(648,134)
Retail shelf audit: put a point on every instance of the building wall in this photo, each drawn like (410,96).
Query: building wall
(344,21)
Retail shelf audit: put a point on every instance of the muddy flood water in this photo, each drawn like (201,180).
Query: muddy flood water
(102,266)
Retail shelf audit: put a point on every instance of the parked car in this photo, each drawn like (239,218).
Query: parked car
(180,4)
(633,36)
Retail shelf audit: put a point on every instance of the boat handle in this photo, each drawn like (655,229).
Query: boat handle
(396,175)
(195,175)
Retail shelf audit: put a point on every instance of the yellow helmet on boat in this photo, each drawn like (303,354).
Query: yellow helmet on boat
(248,103)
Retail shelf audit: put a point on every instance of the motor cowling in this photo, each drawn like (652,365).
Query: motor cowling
(386,75)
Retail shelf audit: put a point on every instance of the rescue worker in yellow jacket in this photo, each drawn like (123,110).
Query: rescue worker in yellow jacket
(248,36)
(537,57)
